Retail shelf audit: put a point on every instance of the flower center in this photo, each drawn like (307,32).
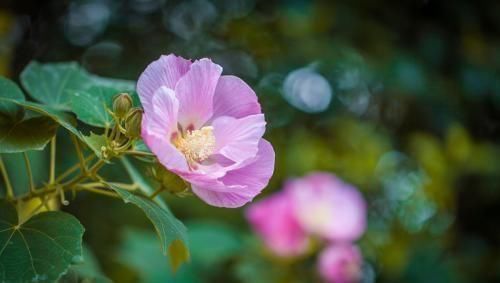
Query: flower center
(196,145)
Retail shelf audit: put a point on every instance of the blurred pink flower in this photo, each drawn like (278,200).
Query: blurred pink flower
(206,128)
(327,207)
(340,263)
(273,220)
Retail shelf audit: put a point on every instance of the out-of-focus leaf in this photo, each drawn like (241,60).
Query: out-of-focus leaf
(137,245)
(10,90)
(29,134)
(86,271)
(91,106)
(53,83)
(178,254)
(39,250)
(95,142)
(168,227)
(212,242)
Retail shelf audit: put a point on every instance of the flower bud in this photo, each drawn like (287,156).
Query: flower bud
(122,104)
(133,123)
(169,181)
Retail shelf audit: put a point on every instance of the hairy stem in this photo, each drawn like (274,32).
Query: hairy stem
(29,172)
(8,185)
(157,192)
(98,191)
(128,187)
(139,153)
(73,169)
(79,153)
(52,172)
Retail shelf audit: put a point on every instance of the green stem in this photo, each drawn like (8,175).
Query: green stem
(8,185)
(52,160)
(128,187)
(36,209)
(96,167)
(29,172)
(124,146)
(73,169)
(157,192)
(139,153)
(98,191)
(79,153)
(91,174)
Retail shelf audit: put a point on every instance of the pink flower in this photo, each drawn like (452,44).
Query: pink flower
(327,207)
(340,264)
(274,221)
(206,128)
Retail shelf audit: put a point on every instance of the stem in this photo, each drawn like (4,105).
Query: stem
(157,192)
(73,169)
(128,187)
(43,203)
(98,165)
(124,146)
(83,176)
(29,172)
(98,191)
(62,196)
(52,160)
(81,159)
(113,133)
(8,185)
(139,153)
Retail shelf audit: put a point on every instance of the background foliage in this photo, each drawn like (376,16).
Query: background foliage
(413,122)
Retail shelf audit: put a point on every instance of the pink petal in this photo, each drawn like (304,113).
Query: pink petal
(273,220)
(238,139)
(162,120)
(165,71)
(328,207)
(195,92)
(234,98)
(340,263)
(241,185)
(166,153)
(158,126)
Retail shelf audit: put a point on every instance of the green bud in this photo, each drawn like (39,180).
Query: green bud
(169,181)
(133,123)
(122,104)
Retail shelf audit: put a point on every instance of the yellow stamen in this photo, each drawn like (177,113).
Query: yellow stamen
(196,145)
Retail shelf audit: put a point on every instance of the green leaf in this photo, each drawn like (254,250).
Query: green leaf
(39,250)
(141,146)
(28,134)
(139,179)
(95,142)
(10,90)
(118,84)
(91,106)
(171,231)
(62,118)
(54,83)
